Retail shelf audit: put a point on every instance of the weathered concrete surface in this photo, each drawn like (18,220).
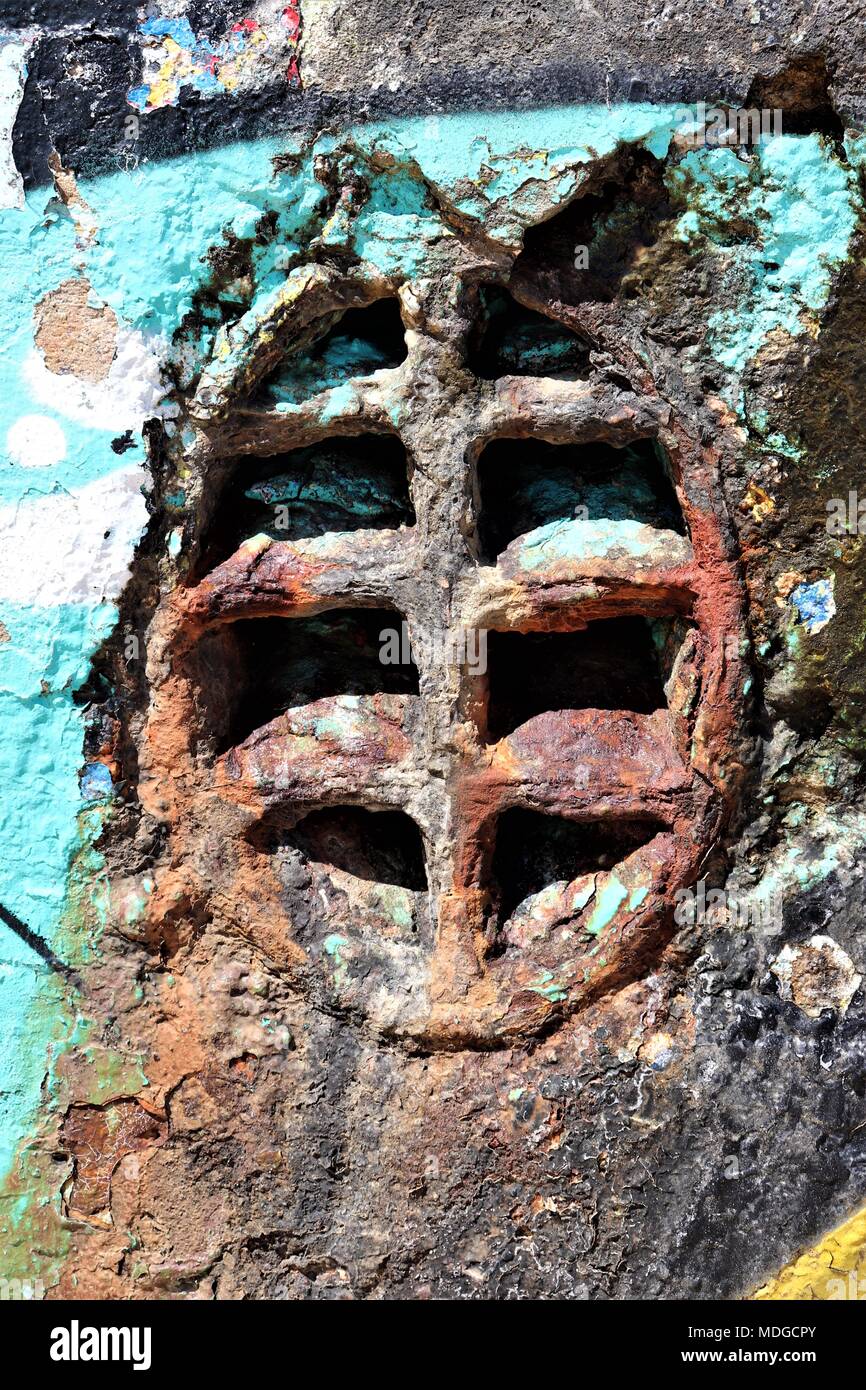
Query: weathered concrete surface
(584,51)
(279,1067)
(411,57)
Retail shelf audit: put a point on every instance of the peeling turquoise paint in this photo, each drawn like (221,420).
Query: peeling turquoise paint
(342,359)
(583,893)
(562,541)
(502,166)
(772,442)
(638,896)
(333,946)
(800,206)
(549,988)
(341,401)
(397,903)
(96,783)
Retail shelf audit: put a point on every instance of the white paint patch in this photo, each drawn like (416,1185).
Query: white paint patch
(131,393)
(36,441)
(72,547)
(13,71)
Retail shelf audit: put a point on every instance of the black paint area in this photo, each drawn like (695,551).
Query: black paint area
(75,100)
(361,342)
(612,665)
(380,846)
(534,851)
(261,667)
(120,15)
(88,56)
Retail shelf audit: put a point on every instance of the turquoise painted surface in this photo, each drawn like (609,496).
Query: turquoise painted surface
(493,151)
(798,207)
(40,798)
(342,359)
(147,259)
(610,900)
(580,541)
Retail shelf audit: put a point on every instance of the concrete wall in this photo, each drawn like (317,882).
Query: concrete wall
(161,178)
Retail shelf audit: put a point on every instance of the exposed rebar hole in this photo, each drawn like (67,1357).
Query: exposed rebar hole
(535,851)
(338,485)
(513,341)
(362,341)
(379,846)
(527,483)
(614,227)
(280,663)
(613,664)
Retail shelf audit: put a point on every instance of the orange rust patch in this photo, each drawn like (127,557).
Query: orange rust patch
(98,1137)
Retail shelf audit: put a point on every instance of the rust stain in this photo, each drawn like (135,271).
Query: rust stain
(98,1138)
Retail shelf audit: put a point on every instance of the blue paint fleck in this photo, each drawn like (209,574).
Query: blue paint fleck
(178,29)
(815,604)
(96,783)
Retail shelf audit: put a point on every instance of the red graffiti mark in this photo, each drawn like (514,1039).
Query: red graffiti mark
(292,18)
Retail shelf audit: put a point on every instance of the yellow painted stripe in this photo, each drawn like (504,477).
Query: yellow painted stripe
(835,1268)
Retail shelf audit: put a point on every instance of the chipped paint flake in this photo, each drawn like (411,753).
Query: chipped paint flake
(13,71)
(176,58)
